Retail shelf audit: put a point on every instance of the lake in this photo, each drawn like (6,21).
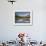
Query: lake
(25,20)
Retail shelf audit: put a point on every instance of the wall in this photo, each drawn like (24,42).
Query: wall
(9,31)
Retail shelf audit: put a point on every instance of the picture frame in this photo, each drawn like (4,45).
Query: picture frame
(23,18)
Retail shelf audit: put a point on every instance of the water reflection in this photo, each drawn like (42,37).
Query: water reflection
(26,20)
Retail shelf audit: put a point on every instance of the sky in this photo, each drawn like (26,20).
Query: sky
(22,13)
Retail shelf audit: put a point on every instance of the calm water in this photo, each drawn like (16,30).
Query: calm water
(26,20)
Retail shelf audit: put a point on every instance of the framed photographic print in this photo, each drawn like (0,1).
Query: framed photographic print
(23,18)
